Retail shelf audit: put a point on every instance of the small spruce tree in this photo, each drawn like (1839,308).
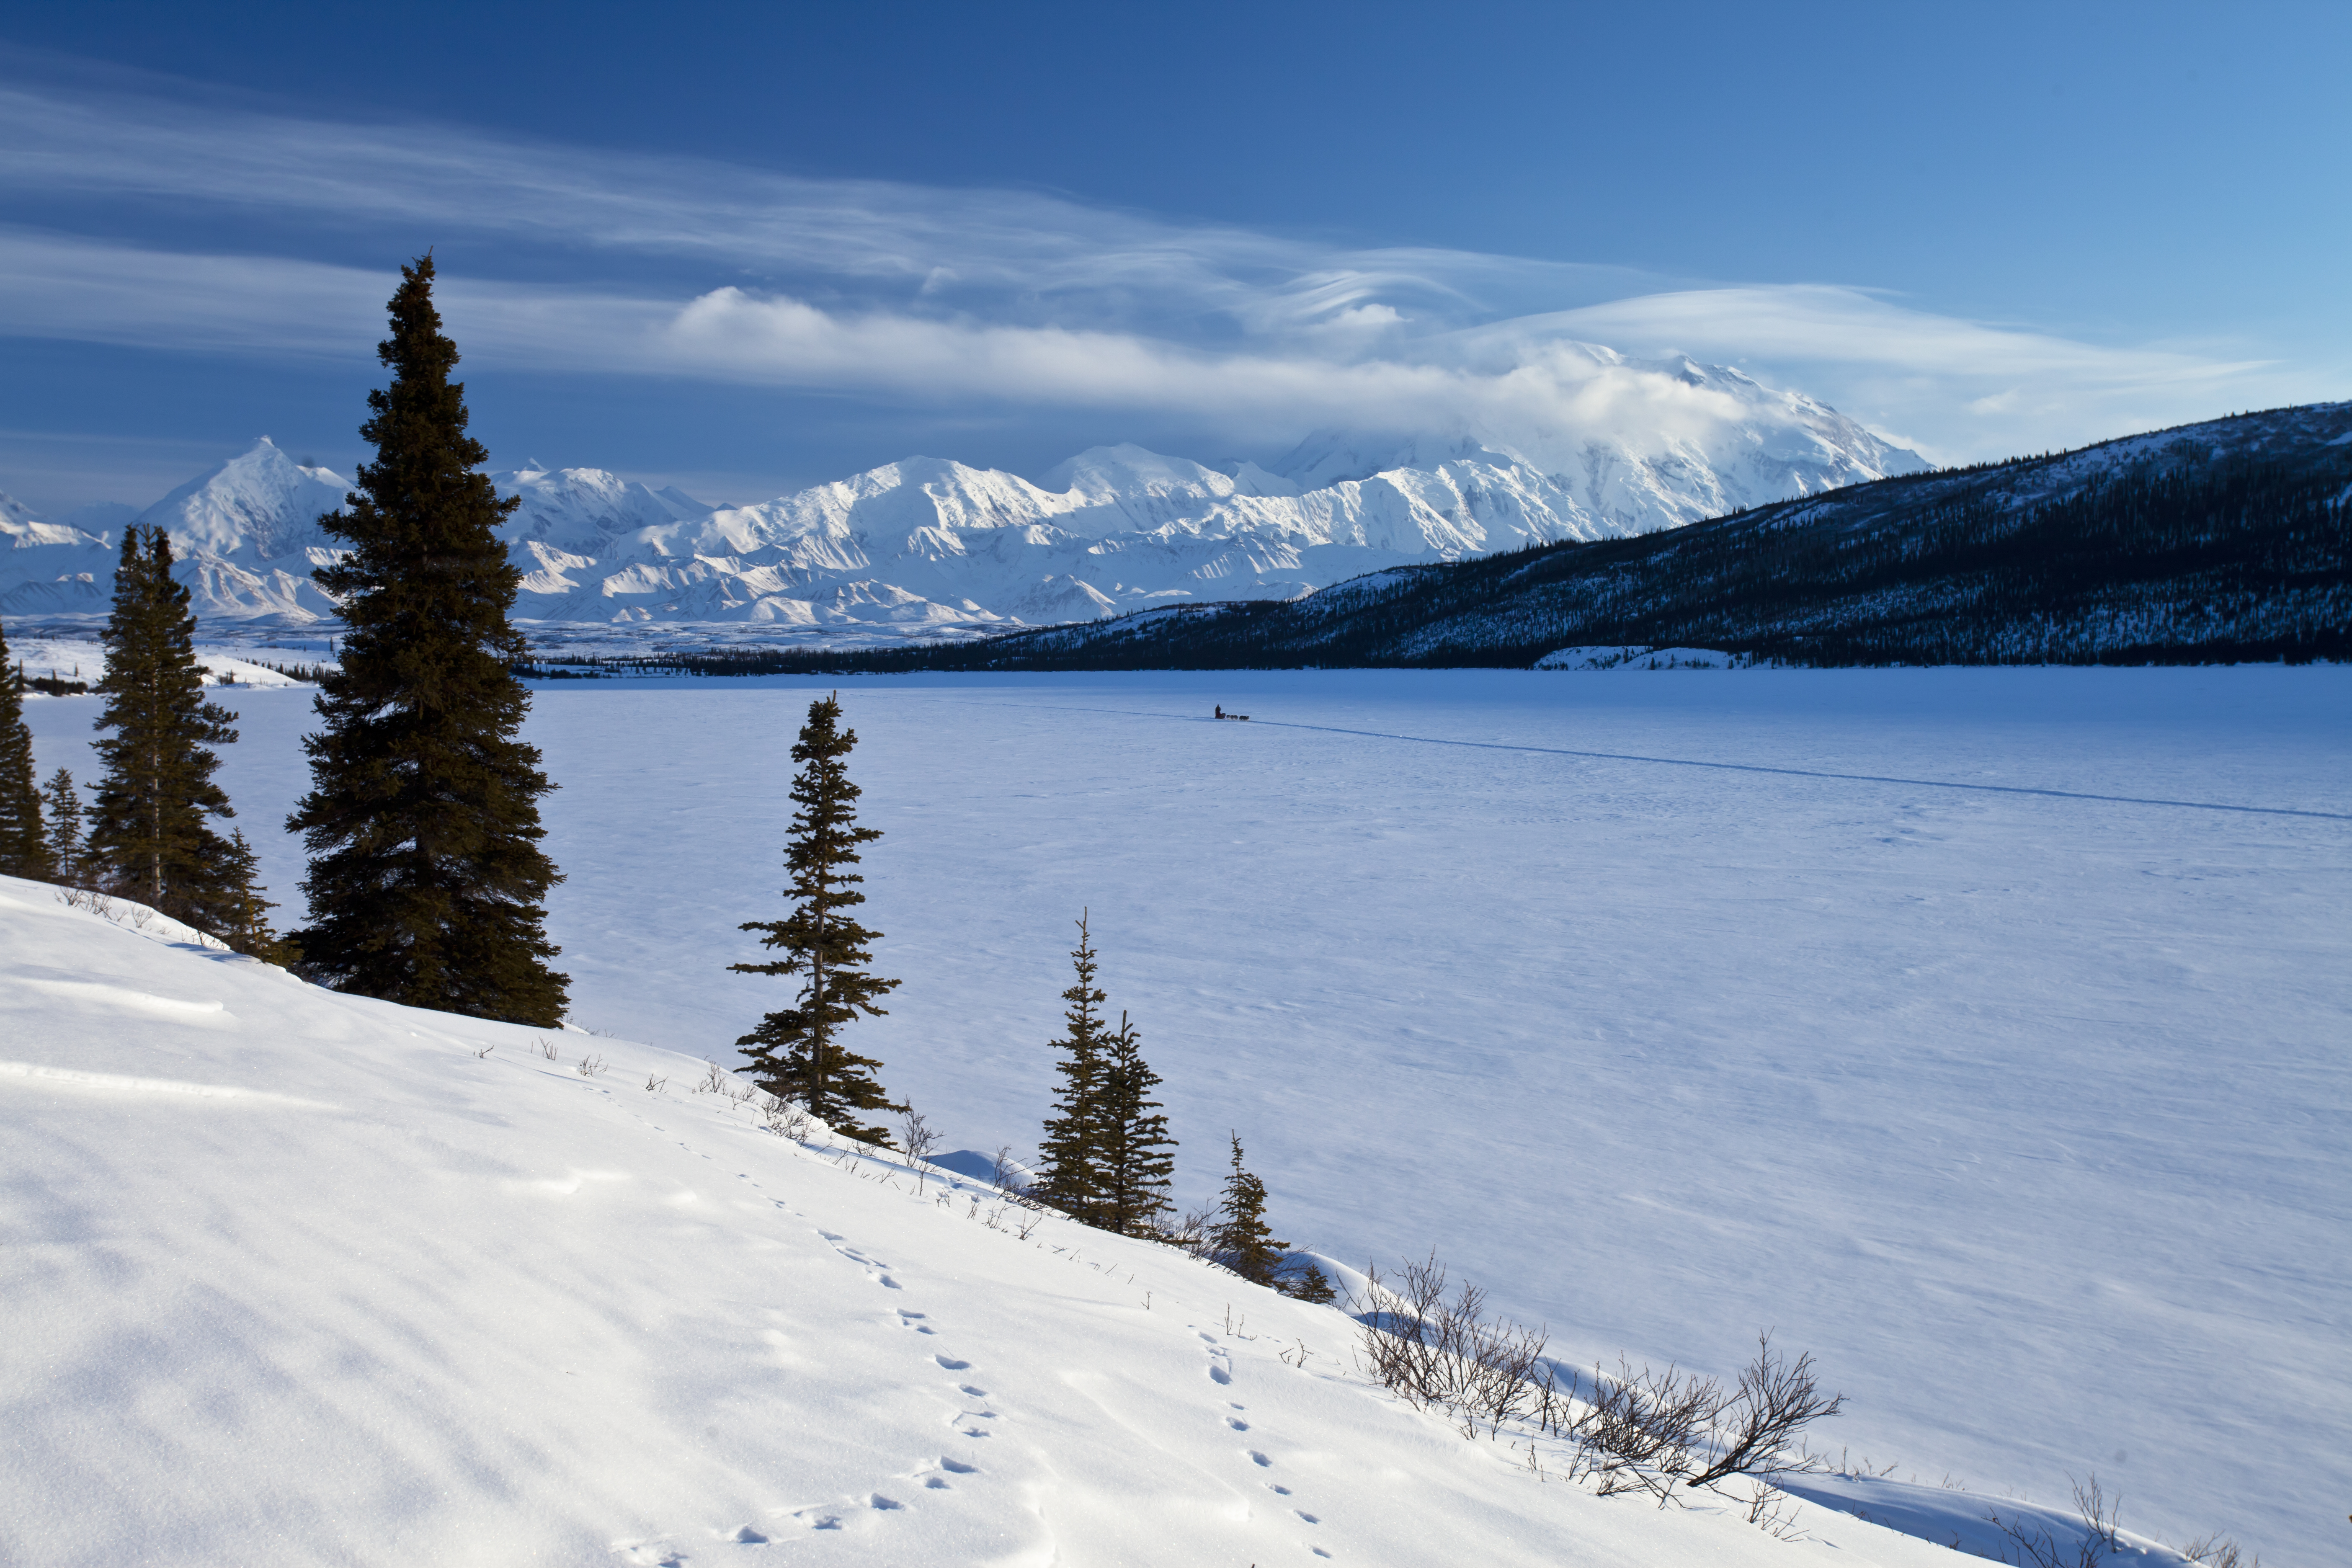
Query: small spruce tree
(243,912)
(64,803)
(1240,1239)
(796,1052)
(426,880)
(1136,1167)
(1072,1177)
(1243,1241)
(151,837)
(23,848)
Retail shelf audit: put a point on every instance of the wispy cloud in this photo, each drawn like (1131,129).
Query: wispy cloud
(994,297)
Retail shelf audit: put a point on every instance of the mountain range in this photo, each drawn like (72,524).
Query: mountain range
(927,547)
(2224,540)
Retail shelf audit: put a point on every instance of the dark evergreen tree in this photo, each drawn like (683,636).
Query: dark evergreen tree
(244,914)
(151,835)
(797,1053)
(1240,1239)
(23,848)
(64,803)
(1133,1140)
(1072,1177)
(427,875)
(1243,1241)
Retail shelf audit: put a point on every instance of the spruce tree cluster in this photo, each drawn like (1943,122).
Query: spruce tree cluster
(796,1052)
(1107,1146)
(1242,1240)
(427,877)
(24,847)
(150,835)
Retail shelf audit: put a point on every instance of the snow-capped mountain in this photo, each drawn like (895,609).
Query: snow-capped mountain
(926,544)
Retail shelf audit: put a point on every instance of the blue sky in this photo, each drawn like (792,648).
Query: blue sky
(747,247)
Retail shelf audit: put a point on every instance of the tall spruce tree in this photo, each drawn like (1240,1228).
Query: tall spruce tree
(427,875)
(151,837)
(1135,1165)
(1071,1178)
(23,848)
(797,1053)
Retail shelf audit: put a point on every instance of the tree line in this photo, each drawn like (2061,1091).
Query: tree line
(1107,1157)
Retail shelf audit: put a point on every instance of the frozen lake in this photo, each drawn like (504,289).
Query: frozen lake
(1982,1031)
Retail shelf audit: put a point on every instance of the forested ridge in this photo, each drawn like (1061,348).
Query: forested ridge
(2211,543)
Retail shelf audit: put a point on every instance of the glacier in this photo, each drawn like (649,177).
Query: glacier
(929,547)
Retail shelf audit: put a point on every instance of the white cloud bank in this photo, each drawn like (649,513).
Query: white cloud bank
(950,299)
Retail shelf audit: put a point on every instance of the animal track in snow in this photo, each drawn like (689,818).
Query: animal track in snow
(1257,1458)
(1236,1425)
(1283,1492)
(950,1364)
(914,1320)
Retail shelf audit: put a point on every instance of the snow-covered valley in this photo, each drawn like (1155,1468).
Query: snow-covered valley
(1979,1031)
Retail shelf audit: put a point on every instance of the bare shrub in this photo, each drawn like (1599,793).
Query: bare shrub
(1433,1341)
(655,1085)
(1189,1231)
(783,1117)
(1772,1511)
(590,1067)
(485,1050)
(2220,1551)
(2037,1546)
(1444,1352)
(713,1080)
(548,1047)
(1007,1178)
(918,1137)
(1642,1431)
(1775,1401)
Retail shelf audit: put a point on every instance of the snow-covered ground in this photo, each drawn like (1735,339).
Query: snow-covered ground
(254,664)
(1981,1031)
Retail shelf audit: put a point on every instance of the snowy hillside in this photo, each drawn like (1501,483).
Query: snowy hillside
(292,1278)
(925,545)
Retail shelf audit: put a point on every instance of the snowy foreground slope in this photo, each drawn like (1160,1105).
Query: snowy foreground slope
(1981,1031)
(292,1278)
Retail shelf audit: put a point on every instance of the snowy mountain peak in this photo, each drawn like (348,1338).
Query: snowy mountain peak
(580,509)
(261,504)
(1332,456)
